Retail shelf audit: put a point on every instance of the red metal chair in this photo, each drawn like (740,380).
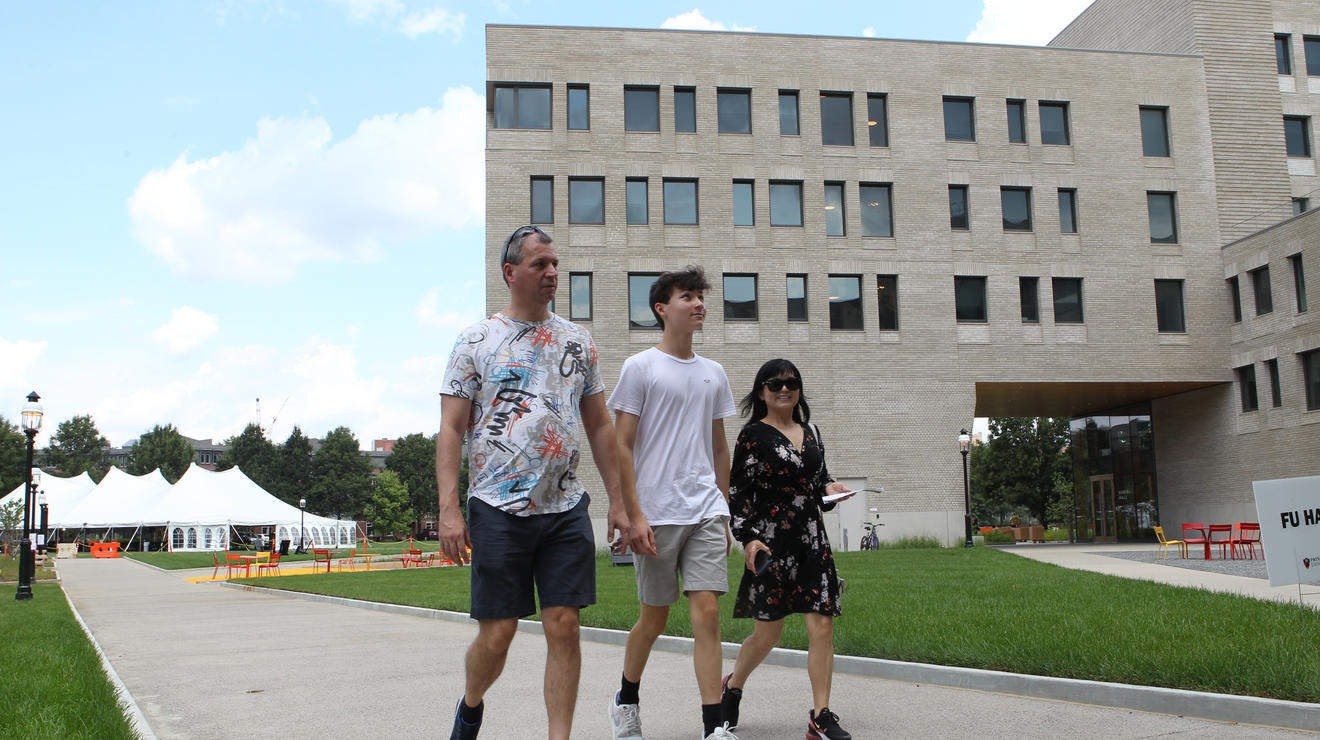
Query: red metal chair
(319,558)
(1248,536)
(1199,529)
(233,562)
(270,565)
(1224,543)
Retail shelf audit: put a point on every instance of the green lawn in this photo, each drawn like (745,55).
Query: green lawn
(979,608)
(61,690)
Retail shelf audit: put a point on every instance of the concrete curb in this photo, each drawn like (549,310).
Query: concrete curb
(136,719)
(1180,702)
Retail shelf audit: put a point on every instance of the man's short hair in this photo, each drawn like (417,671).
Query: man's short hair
(512,251)
(691,277)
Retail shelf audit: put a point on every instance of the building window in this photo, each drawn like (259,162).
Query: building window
(1169,306)
(1311,48)
(1301,205)
(1283,53)
(586,200)
(877,209)
(958,219)
(959,119)
(886,295)
(543,200)
(796,289)
(1311,378)
(846,302)
(1235,293)
(788,113)
(1017,121)
(681,202)
(579,296)
(1154,131)
(1260,286)
(734,111)
(579,107)
(1016,205)
(685,109)
(836,119)
(635,195)
(639,300)
(877,119)
(1067,210)
(522,106)
(834,209)
(1297,136)
(744,211)
(641,108)
(969,299)
(1299,281)
(1247,385)
(1276,393)
(1029,297)
(1054,124)
(740,297)
(785,203)
(1163,218)
(1067,300)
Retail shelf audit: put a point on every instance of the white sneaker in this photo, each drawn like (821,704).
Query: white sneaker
(721,733)
(626,719)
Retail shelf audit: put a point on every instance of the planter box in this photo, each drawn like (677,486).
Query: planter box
(1021,534)
(1037,533)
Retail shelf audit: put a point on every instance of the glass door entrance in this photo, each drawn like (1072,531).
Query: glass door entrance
(1104,522)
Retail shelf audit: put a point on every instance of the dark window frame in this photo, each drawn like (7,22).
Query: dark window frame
(1310,361)
(863,207)
(1261,291)
(696,199)
(546,179)
(1029,298)
(518,88)
(1165,322)
(797,113)
(572,289)
(1055,283)
(645,203)
(633,325)
(756,295)
(960,100)
(1156,196)
(1311,50)
(1297,136)
(568,120)
(629,92)
(1004,191)
(1016,108)
(838,316)
(723,94)
(1246,377)
(1283,53)
(966,222)
(804,302)
(842,221)
(796,184)
(1299,282)
(828,126)
(1276,391)
(1064,112)
(1235,295)
(1069,209)
(877,126)
(975,286)
(1154,133)
(581,180)
(688,126)
(886,303)
(751,205)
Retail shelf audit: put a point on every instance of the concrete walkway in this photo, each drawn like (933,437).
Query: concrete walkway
(205,661)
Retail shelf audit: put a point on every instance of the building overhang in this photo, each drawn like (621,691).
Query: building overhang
(1073,399)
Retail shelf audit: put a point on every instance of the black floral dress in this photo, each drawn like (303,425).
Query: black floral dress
(774,495)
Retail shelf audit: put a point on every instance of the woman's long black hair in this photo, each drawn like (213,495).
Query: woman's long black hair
(753,405)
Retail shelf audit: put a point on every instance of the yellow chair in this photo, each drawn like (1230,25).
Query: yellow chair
(1164,544)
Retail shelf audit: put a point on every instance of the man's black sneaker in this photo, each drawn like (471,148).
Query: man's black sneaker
(729,699)
(463,730)
(825,726)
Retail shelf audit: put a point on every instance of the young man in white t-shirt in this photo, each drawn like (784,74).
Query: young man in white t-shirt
(669,408)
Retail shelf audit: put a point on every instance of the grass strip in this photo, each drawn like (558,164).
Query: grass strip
(977,608)
(53,683)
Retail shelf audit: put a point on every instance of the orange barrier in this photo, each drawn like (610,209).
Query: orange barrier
(105,549)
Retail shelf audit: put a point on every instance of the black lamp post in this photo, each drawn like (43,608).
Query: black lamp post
(965,444)
(26,564)
(302,506)
(45,522)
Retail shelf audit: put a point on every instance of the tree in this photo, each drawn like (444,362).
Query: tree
(13,456)
(413,459)
(387,509)
(11,521)
(294,474)
(343,476)
(163,447)
(1025,462)
(989,506)
(252,453)
(78,446)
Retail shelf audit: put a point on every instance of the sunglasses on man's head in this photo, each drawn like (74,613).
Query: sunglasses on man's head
(517,234)
(778,384)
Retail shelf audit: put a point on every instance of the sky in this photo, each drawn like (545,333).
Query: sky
(206,203)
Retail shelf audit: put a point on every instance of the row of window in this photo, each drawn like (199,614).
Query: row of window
(1263,293)
(1283,54)
(1310,367)
(528,106)
(586,205)
(971,303)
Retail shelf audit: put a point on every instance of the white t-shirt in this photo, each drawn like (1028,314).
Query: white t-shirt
(676,402)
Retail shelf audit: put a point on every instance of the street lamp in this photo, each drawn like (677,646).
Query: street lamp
(45,522)
(302,506)
(965,444)
(31,415)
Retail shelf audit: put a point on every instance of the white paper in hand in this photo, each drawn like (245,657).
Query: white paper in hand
(831,498)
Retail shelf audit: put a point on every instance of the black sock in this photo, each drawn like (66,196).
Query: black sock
(628,691)
(470,715)
(711,717)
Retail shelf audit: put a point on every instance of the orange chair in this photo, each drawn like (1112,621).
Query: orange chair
(1248,536)
(346,560)
(1199,529)
(271,565)
(413,557)
(215,560)
(1163,548)
(1224,542)
(319,558)
(233,562)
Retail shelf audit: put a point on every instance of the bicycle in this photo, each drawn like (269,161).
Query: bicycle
(870,540)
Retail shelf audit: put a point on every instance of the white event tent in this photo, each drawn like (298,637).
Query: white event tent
(62,494)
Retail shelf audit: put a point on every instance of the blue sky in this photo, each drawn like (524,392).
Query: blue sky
(205,203)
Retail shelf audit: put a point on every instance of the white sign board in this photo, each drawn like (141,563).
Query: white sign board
(1289,514)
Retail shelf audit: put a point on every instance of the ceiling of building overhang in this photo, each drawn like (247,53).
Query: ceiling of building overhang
(1071,399)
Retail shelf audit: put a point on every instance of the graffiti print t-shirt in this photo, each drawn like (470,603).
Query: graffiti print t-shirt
(525,380)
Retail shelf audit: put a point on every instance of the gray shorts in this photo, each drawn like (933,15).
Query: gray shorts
(697,551)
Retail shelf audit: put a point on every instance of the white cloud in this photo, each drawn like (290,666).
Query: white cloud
(15,371)
(869,32)
(693,20)
(1032,22)
(186,330)
(435,20)
(361,10)
(293,195)
(454,313)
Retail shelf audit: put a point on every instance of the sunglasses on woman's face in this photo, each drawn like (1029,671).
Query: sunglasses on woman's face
(776,385)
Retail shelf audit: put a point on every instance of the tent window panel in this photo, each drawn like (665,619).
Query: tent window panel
(343,536)
(206,538)
(192,538)
(176,538)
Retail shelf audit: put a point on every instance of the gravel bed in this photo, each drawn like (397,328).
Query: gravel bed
(1248,568)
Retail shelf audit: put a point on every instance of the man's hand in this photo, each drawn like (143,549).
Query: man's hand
(643,538)
(749,553)
(618,530)
(454,540)
(728,541)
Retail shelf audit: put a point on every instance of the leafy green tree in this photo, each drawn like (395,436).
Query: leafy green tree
(413,459)
(78,446)
(163,447)
(11,521)
(989,505)
(343,476)
(294,475)
(1024,463)
(13,456)
(252,453)
(387,509)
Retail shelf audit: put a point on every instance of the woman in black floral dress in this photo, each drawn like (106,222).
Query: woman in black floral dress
(777,480)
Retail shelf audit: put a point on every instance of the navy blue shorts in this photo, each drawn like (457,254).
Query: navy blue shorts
(554,552)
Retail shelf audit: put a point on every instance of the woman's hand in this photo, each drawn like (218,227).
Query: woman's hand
(749,553)
(836,487)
